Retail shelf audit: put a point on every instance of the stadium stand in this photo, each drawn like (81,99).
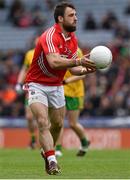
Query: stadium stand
(15,38)
(18,38)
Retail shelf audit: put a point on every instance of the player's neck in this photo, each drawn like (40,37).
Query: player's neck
(66,34)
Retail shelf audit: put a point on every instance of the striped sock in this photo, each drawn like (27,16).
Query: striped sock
(50,155)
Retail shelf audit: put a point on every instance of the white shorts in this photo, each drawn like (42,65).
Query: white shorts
(51,96)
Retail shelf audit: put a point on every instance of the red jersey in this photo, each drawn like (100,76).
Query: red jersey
(51,41)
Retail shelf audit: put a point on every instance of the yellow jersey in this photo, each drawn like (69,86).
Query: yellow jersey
(28,58)
(74,89)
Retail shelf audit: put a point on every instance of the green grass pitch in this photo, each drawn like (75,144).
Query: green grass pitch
(97,164)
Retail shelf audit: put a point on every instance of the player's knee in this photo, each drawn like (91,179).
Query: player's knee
(29,117)
(43,124)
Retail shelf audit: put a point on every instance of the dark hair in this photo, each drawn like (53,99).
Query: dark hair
(60,9)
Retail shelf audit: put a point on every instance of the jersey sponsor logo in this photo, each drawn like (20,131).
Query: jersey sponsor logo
(67,53)
(66,56)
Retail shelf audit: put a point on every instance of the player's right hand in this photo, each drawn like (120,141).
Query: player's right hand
(86,62)
(18,88)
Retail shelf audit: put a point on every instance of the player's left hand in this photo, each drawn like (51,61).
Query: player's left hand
(86,70)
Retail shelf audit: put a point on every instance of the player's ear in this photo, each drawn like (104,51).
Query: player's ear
(60,19)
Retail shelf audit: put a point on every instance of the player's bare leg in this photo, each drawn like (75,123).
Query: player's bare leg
(58,144)
(31,127)
(73,116)
(56,117)
(40,112)
(58,151)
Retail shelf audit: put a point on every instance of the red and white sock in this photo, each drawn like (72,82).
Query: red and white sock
(50,155)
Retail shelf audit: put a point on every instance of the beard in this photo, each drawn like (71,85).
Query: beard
(69,28)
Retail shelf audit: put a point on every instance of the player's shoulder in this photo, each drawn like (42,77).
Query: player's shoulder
(49,30)
(49,33)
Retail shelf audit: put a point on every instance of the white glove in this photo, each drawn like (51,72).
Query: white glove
(18,88)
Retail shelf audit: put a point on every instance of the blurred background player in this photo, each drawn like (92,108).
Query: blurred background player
(74,96)
(28,114)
